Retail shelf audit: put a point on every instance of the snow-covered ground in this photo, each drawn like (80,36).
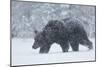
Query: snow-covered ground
(23,54)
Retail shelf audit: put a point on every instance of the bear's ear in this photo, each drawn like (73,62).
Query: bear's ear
(35,31)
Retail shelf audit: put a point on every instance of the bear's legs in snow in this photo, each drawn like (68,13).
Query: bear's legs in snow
(44,49)
(65,46)
(74,45)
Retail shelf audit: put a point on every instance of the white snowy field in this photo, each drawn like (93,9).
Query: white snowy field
(23,54)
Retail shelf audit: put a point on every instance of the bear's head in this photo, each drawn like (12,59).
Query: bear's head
(39,40)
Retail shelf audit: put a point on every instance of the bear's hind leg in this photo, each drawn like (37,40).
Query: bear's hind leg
(74,45)
(44,49)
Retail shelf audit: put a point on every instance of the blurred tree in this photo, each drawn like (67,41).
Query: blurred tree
(30,16)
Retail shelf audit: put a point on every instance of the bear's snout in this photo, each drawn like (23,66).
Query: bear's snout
(34,47)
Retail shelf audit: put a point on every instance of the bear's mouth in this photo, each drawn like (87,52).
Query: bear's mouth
(34,47)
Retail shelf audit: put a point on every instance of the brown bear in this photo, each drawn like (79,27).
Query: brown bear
(65,32)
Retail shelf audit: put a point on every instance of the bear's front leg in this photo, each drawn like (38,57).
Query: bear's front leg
(44,49)
(64,46)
